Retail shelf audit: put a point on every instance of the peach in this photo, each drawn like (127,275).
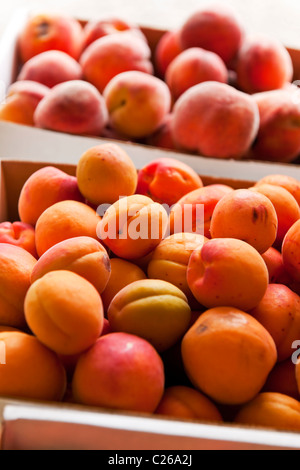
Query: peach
(51,68)
(187,403)
(32,371)
(63,220)
(291,252)
(263,64)
(292,185)
(162,137)
(133,226)
(113,54)
(44,32)
(64,311)
(215,28)
(193,66)
(282,379)
(168,47)
(106,172)
(227,272)
(276,269)
(271,410)
(166,180)
(137,103)
(123,273)
(19,234)
(120,371)
(228,355)
(75,107)
(229,128)
(246,215)
(151,309)
(16,266)
(84,256)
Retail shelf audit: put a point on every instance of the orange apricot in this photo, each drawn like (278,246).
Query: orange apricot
(291,251)
(282,379)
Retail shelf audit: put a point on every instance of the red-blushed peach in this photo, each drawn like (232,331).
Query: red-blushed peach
(84,256)
(291,251)
(151,309)
(44,32)
(263,64)
(51,68)
(187,403)
(228,355)
(228,130)
(120,371)
(31,370)
(133,226)
(246,215)
(166,180)
(63,220)
(19,234)
(16,266)
(282,379)
(193,66)
(42,189)
(276,269)
(215,28)
(113,54)
(105,173)
(137,103)
(168,47)
(227,272)
(291,184)
(64,311)
(75,107)
(162,137)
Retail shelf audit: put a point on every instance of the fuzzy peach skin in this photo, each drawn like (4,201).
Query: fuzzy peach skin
(228,130)
(291,251)
(263,64)
(123,273)
(64,311)
(21,102)
(113,54)
(192,66)
(44,32)
(228,355)
(75,107)
(105,173)
(84,256)
(292,185)
(162,137)
(271,410)
(16,266)
(152,309)
(246,215)
(42,189)
(277,271)
(229,272)
(133,226)
(51,68)
(190,207)
(120,371)
(168,47)
(63,220)
(282,379)
(32,371)
(19,234)
(137,103)
(187,403)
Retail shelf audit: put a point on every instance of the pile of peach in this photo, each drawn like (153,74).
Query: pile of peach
(105,302)
(209,87)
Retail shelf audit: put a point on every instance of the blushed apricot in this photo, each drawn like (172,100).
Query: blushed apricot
(282,379)
(291,251)
(167,49)
(292,185)
(18,234)
(276,269)
(162,136)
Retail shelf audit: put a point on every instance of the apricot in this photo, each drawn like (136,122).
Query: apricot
(120,371)
(282,379)
(228,355)
(292,185)
(75,107)
(113,54)
(276,269)
(291,252)
(19,234)
(151,309)
(187,403)
(106,172)
(227,131)
(133,226)
(64,311)
(271,410)
(16,265)
(162,136)
(168,47)
(123,273)
(166,180)
(137,103)
(246,215)
(96,29)
(42,189)
(227,272)
(263,64)
(63,220)
(32,371)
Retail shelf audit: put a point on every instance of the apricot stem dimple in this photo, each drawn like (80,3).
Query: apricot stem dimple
(43,29)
